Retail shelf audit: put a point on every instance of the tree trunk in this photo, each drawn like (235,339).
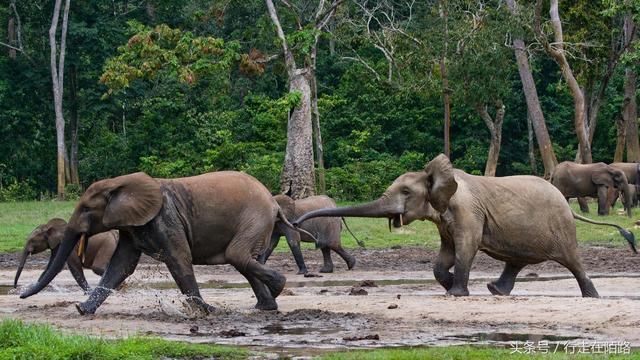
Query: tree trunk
(315,119)
(547,154)
(11,36)
(495,128)
(57,77)
(73,127)
(532,153)
(298,180)
(446,93)
(621,135)
(630,109)
(557,53)
(630,115)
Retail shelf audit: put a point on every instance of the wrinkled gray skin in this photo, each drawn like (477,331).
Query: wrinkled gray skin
(97,253)
(520,220)
(632,172)
(222,217)
(597,180)
(326,230)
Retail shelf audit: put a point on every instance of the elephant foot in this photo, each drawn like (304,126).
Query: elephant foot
(326,269)
(458,292)
(351,262)
(496,290)
(267,305)
(277,284)
(302,271)
(199,304)
(85,309)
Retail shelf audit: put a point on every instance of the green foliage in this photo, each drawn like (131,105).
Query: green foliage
(17,191)
(25,341)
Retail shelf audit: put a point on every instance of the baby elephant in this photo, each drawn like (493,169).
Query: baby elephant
(326,230)
(95,256)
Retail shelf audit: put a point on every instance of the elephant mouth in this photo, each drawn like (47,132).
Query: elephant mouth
(396,220)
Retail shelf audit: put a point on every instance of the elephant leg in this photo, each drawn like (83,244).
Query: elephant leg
(603,208)
(265,300)
(348,258)
(504,284)
(275,239)
(293,240)
(75,267)
(238,255)
(464,254)
(181,270)
(123,263)
(584,207)
(327,267)
(574,265)
(444,262)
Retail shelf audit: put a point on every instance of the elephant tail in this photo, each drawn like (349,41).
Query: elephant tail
(286,222)
(628,235)
(360,243)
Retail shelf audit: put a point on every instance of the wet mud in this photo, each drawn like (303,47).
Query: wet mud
(389,299)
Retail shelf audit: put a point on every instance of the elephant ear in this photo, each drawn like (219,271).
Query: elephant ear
(619,178)
(602,175)
(132,200)
(287,204)
(441,184)
(54,231)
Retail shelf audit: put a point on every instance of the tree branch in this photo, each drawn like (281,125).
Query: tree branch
(288,56)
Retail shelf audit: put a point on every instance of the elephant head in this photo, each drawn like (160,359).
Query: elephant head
(412,196)
(43,237)
(129,200)
(619,182)
(287,204)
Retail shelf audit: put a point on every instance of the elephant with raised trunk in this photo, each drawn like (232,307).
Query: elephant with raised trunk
(520,220)
(597,180)
(221,217)
(95,256)
(326,230)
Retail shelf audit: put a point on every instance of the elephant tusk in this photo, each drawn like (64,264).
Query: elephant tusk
(390,224)
(81,247)
(401,222)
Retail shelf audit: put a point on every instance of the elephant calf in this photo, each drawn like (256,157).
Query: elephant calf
(96,256)
(326,230)
(520,220)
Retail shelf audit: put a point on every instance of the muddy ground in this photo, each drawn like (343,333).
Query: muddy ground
(389,299)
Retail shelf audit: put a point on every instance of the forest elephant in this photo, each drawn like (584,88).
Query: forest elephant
(95,256)
(632,172)
(597,180)
(223,217)
(520,220)
(326,230)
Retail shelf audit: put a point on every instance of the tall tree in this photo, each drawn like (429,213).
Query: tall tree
(630,109)
(57,77)
(298,174)
(547,154)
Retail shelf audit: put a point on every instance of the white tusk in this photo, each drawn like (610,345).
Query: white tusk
(401,222)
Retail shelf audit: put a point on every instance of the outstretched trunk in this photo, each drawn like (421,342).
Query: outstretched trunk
(379,208)
(23,260)
(71,238)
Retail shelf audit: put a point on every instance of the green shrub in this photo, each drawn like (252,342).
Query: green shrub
(72,191)
(18,191)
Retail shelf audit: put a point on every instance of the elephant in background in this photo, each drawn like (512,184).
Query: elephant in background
(520,220)
(223,217)
(95,256)
(596,180)
(632,172)
(326,230)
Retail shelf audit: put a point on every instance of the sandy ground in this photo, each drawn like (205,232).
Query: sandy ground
(404,307)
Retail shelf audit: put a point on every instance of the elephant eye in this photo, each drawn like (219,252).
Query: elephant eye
(406,192)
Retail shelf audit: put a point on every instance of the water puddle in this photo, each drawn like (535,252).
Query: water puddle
(501,337)
(278,329)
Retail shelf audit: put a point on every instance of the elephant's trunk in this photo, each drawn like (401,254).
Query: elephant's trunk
(628,203)
(378,209)
(70,240)
(23,260)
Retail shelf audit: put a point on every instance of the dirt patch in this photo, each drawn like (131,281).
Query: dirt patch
(406,307)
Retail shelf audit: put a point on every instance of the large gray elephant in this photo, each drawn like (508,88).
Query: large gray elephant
(95,256)
(326,230)
(222,217)
(597,180)
(520,220)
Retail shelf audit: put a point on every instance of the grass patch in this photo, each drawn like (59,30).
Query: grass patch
(17,220)
(460,353)
(28,341)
